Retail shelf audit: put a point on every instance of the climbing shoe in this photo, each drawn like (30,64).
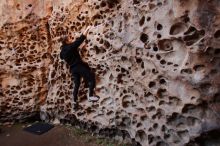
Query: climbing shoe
(93,98)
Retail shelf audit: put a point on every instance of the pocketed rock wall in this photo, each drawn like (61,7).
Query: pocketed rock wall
(156,63)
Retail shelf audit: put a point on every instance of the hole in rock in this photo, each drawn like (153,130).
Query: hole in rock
(163,62)
(103,4)
(159,27)
(18,6)
(148,18)
(155,126)
(163,128)
(206,138)
(159,36)
(151,6)
(150,139)
(147,94)
(193,97)
(154,71)
(162,81)
(112,3)
(138,60)
(151,109)
(169,63)
(177,28)
(190,30)
(143,118)
(139,125)
(126,121)
(141,22)
(166,136)
(151,84)
(155,49)
(123,70)
(141,135)
(123,58)
(107,44)
(161,92)
(161,143)
(175,119)
(216,98)
(165,45)
(192,38)
(142,64)
(205,86)
(124,91)
(213,71)
(217,34)
(135,2)
(198,67)
(217,51)
(126,101)
(186,18)
(183,133)
(96,7)
(144,37)
(188,107)
(202,32)
(158,56)
(187,71)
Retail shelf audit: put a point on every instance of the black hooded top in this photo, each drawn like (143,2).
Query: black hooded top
(70,52)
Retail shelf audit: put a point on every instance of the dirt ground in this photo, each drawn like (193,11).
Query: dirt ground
(58,136)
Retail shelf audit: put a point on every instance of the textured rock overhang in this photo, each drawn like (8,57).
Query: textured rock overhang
(156,63)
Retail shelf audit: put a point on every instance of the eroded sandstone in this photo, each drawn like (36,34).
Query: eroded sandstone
(157,65)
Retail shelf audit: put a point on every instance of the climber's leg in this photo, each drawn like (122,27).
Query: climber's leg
(91,83)
(89,77)
(76,78)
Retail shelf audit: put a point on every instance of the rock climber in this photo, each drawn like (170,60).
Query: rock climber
(78,68)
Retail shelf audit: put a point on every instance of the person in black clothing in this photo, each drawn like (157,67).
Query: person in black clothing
(70,53)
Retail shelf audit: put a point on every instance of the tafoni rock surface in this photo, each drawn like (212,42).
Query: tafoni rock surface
(157,65)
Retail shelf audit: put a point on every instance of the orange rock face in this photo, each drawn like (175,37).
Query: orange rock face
(156,63)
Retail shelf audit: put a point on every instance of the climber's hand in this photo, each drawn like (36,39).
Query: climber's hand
(86,31)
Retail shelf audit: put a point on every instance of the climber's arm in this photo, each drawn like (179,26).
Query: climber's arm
(61,53)
(78,41)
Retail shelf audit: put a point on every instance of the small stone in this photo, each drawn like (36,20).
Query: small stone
(56,122)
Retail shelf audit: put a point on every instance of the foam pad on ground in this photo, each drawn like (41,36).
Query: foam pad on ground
(39,128)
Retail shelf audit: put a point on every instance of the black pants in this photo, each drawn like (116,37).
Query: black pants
(78,71)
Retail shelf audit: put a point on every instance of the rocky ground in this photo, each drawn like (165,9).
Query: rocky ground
(58,136)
